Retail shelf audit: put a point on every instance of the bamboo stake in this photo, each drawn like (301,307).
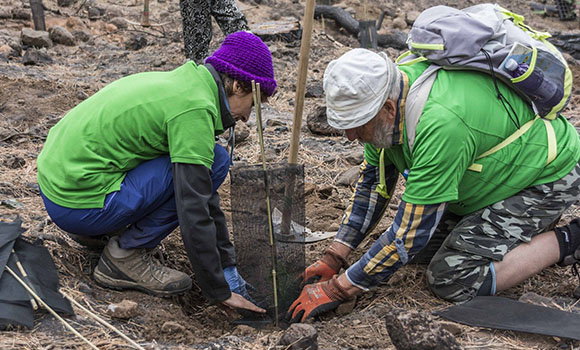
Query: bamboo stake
(41,302)
(256,92)
(145,22)
(25,277)
(103,322)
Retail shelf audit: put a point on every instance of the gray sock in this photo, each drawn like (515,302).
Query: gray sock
(116,251)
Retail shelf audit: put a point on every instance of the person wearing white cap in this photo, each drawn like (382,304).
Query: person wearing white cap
(488,218)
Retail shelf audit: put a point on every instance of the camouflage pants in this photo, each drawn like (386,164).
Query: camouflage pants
(197,28)
(462,263)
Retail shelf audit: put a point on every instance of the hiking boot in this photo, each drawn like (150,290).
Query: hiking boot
(141,270)
(572,234)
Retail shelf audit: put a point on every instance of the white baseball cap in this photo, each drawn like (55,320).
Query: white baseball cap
(356,87)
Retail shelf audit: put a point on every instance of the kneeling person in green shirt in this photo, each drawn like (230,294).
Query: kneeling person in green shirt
(139,157)
(491,225)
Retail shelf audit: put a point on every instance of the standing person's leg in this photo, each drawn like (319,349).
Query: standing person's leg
(228,16)
(197,28)
(496,236)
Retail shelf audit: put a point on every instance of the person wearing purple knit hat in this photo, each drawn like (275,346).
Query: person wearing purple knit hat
(127,166)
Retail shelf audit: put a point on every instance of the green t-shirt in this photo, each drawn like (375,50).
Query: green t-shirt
(462,119)
(134,119)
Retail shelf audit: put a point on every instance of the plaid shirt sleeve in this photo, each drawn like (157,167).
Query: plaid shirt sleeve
(411,230)
(366,206)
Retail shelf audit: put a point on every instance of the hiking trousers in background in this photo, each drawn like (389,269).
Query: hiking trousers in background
(145,205)
(197,27)
(463,263)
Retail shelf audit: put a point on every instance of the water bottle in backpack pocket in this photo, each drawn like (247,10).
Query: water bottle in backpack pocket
(543,92)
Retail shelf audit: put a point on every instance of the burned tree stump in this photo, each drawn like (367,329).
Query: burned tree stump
(287,30)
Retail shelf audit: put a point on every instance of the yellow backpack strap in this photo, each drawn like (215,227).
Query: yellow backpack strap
(552,145)
(382,186)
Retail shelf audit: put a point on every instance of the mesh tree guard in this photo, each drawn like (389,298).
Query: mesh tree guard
(256,258)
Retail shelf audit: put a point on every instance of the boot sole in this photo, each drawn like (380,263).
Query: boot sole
(111,283)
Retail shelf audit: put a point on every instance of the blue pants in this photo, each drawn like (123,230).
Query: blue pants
(145,204)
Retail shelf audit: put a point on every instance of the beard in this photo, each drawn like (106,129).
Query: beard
(383,135)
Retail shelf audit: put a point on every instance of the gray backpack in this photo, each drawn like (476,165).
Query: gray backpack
(485,38)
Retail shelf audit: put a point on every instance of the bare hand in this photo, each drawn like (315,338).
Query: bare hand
(237,301)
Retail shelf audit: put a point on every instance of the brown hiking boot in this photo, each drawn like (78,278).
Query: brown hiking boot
(142,271)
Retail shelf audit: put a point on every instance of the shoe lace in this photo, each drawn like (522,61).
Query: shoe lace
(155,261)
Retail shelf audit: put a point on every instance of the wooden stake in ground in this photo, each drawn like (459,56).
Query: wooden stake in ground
(145,22)
(37,14)
(298,111)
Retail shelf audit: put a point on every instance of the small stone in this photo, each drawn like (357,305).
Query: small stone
(62,36)
(354,158)
(36,38)
(34,56)
(136,42)
(5,13)
(349,177)
(451,327)
(346,307)
(158,62)
(325,191)
(124,309)
(94,13)
(81,95)
(242,132)
(414,330)
(244,330)
(85,288)
(16,46)
(317,123)
(113,12)
(119,22)
(21,13)
(6,50)
(14,162)
(400,23)
(75,23)
(274,122)
(110,28)
(81,35)
(171,327)
(300,336)
(411,17)
(314,90)
(65,3)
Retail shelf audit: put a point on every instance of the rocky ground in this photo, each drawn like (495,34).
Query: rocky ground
(91,43)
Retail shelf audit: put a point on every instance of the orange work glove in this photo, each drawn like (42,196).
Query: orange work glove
(317,299)
(323,269)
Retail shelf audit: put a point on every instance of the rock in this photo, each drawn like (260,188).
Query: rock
(400,23)
(85,288)
(412,17)
(14,162)
(171,327)
(414,330)
(325,191)
(119,22)
(349,177)
(34,56)
(75,23)
(36,38)
(354,157)
(158,62)
(451,327)
(16,46)
(136,42)
(314,90)
(81,95)
(20,13)
(244,331)
(300,336)
(81,35)
(242,132)
(65,3)
(5,13)
(317,124)
(113,12)
(287,30)
(347,307)
(62,36)
(6,50)
(94,13)
(124,309)
(110,28)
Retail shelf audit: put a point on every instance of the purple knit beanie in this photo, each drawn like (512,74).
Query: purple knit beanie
(244,57)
